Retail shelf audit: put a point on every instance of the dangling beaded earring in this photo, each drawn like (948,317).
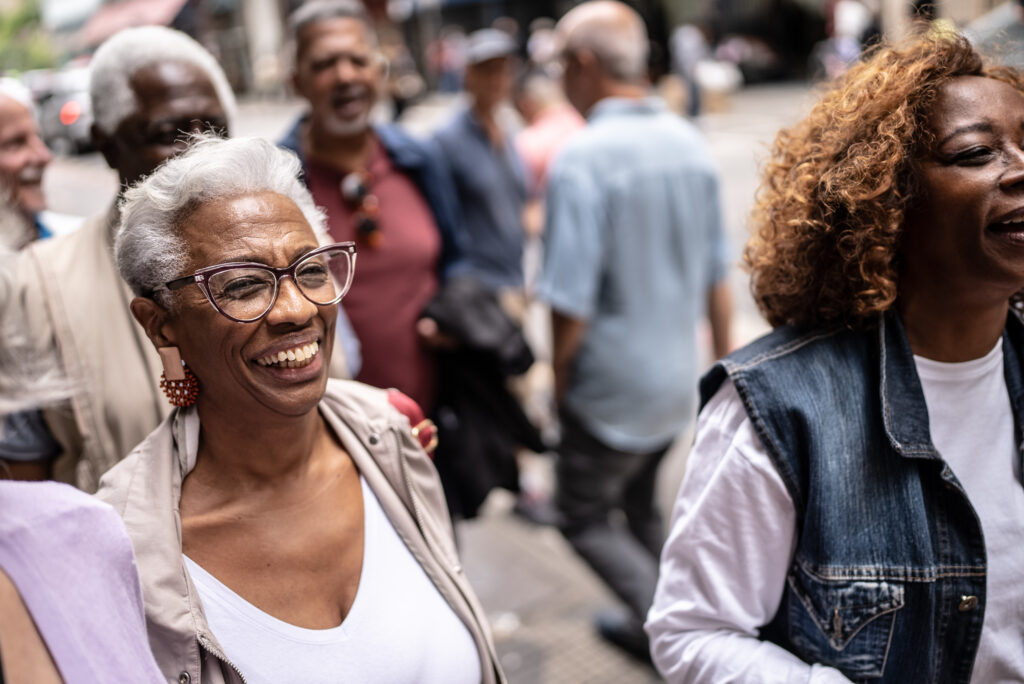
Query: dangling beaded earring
(177,381)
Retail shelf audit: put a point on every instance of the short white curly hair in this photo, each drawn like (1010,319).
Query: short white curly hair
(149,248)
(132,49)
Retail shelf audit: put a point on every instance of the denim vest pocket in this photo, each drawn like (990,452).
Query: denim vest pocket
(846,624)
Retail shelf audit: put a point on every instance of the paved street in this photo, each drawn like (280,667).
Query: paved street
(539,596)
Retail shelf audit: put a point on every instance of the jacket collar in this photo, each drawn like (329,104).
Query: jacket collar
(616,106)
(404,152)
(151,512)
(904,411)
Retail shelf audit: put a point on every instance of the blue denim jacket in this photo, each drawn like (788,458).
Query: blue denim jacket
(888,579)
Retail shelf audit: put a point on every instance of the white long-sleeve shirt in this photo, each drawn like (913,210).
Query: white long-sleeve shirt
(724,565)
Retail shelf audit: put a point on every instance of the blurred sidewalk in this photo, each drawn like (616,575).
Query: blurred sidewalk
(541,600)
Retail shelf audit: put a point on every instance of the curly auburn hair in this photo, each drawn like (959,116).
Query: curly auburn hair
(829,213)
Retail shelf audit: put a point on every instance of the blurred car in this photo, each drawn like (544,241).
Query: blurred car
(65,112)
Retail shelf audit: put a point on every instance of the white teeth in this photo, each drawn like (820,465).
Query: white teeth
(291,358)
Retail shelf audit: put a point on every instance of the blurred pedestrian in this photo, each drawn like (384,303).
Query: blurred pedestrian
(550,123)
(853,508)
(634,255)
(389,193)
(149,86)
(688,46)
(288,527)
(999,33)
(481,390)
(488,174)
(446,56)
(23,158)
(541,46)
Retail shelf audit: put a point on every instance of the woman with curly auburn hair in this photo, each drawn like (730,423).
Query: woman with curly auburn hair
(853,506)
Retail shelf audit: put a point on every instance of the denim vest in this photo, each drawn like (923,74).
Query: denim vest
(887,582)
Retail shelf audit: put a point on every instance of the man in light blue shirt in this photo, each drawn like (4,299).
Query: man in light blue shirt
(634,257)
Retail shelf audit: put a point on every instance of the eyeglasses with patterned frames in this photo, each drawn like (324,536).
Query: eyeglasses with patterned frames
(245,292)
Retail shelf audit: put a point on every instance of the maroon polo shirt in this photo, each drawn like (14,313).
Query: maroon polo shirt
(394,279)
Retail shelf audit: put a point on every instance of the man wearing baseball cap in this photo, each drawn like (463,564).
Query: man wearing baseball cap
(486,169)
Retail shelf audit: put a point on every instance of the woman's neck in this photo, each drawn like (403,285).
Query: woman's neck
(250,453)
(951,328)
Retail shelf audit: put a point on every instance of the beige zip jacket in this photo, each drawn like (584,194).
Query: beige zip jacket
(76,307)
(145,488)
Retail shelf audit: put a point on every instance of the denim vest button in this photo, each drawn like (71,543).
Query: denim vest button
(967,603)
(374,439)
(184,678)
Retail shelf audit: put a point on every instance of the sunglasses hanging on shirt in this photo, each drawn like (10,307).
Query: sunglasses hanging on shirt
(355,190)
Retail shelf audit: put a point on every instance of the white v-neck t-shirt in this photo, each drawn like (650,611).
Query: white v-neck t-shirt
(399,629)
(733,535)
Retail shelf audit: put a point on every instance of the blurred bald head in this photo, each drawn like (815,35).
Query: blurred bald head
(603,48)
(613,32)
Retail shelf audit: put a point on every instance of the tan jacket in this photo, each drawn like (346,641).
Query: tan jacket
(145,489)
(76,305)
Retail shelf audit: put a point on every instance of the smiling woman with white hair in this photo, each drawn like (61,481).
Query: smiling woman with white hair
(287,527)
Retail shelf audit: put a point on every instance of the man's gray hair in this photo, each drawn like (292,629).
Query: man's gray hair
(315,11)
(132,49)
(618,39)
(150,249)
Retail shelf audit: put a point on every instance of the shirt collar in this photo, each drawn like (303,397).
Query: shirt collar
(611,106)
(41,229)
(470,122)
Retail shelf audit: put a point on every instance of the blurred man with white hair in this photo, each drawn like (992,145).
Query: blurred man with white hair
(23,157)
(150,87)
(634,256)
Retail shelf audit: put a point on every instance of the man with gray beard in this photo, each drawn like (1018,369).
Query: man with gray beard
(390,194)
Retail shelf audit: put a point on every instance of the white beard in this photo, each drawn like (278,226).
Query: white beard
(345,128)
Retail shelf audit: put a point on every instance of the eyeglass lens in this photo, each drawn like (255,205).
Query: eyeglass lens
(247,293)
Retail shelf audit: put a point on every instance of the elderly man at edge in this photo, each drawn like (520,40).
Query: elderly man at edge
(384,190)
(23,157)
(148,86)
(634,256)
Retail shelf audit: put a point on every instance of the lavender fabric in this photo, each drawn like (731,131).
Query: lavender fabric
(71,560)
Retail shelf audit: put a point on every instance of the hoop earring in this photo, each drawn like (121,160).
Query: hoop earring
(177,381)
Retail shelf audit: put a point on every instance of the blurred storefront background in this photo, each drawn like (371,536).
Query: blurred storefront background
(722,44)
